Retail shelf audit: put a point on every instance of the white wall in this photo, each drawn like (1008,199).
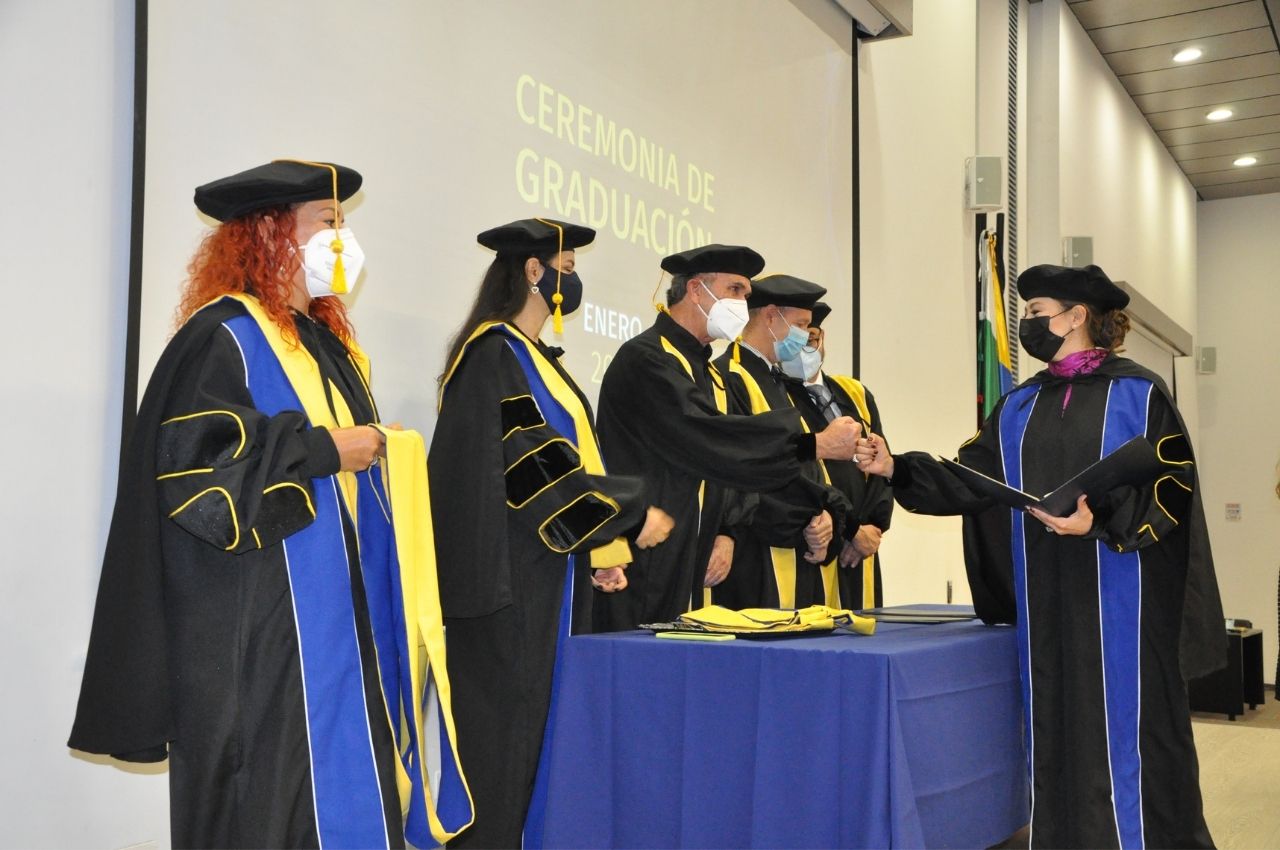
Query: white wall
(1239,450)
(1119,184)
(1101,171)
(66,140)
(1089,165)
(916,126)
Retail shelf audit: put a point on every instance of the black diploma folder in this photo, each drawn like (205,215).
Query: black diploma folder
(1134,463)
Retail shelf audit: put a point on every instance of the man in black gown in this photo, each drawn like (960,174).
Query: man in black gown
(780,557)
(662,417)
(820,398)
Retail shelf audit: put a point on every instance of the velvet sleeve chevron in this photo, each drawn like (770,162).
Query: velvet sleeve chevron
(1136,517)
(547,487)
(227,473)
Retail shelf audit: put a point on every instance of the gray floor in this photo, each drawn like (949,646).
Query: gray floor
(1240,775)
(1239,778)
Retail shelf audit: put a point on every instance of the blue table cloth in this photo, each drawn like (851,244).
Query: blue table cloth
(908,738)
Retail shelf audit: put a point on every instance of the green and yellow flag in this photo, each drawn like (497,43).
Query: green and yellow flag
(995,367)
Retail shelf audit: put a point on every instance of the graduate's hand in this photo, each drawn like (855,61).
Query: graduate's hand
(839,439)
(1076,524)
(393,426)
(657,526)
(865,543)
(817,536)
(872,456)
(610,580)
(720,561)
(358,447)
(849,554)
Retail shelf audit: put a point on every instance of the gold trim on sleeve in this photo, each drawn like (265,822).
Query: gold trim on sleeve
(239,422)
(1161,457)
(541,419)
(549,484)
(182,473)
(597,494)
(231,505)
(305,494)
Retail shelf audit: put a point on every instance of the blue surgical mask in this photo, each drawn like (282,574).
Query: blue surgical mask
(790,346)
(804,365)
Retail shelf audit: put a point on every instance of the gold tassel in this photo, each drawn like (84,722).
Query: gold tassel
(658,305)
(557,319)
(339,275)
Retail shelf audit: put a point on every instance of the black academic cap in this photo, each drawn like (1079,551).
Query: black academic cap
(821,310)
(783,290)
(1089,285)
(275,184)
(710,259)
(532,237)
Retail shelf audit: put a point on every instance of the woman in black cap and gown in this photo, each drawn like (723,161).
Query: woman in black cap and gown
(526,521)
(248,624)
(1117,603)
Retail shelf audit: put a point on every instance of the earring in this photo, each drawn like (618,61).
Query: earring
(534,289)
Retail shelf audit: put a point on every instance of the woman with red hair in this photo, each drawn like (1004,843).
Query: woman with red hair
(250,623)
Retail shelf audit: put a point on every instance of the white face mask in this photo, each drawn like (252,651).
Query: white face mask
(318,260)
(726,318)
(804,365)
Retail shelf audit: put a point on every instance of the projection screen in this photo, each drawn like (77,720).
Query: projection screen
(662,124)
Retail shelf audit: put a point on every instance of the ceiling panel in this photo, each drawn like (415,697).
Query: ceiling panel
(1228,46)
(1236,175)
(1203,73)
(1175,29)
(1256,107)
(1105,13)
(1152,104)
(1222,130)
(1191,167)
(1239,69)
(1223,148)
(1239,190)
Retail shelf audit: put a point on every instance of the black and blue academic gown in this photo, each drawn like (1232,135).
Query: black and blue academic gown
(1108,624)
(871,497)
(662,418)
(256,616)
(522,512)
(769,565)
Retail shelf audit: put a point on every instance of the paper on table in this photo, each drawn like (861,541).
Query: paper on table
(1133,463)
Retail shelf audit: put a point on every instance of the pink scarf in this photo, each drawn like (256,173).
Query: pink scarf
(1080,363)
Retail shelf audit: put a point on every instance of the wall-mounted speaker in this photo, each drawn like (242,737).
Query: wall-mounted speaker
(1206,359)
(1077,251)
(983,183)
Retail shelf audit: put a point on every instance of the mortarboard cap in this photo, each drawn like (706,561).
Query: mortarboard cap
(821,310)
(710,259)
(275,184)
(536,236)
(1089,285)
(783,290)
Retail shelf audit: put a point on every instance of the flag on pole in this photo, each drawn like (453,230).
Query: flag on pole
(995,368)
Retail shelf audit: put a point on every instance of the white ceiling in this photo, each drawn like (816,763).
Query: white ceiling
(1238,70)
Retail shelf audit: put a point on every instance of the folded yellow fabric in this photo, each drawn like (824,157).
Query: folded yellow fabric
(815,618)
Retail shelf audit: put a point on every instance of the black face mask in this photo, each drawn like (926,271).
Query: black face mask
(570,289)
(1036,338)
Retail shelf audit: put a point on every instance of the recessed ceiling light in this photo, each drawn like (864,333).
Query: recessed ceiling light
(1187,54)
(1245,160)
(1220,115)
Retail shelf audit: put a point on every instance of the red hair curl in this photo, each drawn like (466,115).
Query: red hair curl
(255,254)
